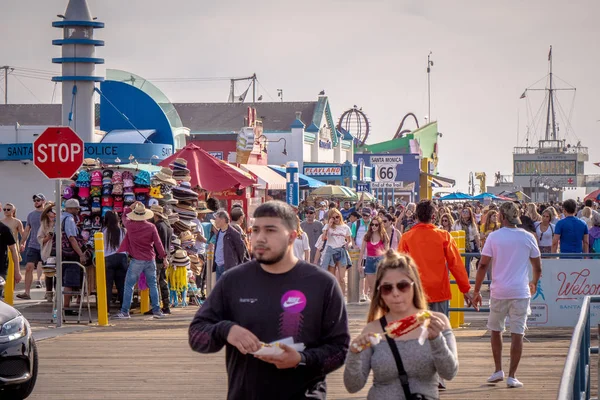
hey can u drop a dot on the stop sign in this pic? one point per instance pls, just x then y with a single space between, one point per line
58 152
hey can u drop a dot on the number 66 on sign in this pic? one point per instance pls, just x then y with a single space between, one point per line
386 172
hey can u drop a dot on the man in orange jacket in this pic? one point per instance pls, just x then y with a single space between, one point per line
435 253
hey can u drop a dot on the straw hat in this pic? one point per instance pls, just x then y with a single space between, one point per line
165 175
140 213
90 163
185 236
158 210
203 208
180 259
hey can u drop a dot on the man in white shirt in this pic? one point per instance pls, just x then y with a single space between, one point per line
510 250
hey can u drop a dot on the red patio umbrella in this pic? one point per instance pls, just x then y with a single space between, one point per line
208 172
595 195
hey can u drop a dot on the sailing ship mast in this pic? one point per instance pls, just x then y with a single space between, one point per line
550 128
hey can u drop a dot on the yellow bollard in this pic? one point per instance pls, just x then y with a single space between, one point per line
101 296
9 286
144 301
457 301
210 282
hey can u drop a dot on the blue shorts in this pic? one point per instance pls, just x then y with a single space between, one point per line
334 256
371 265
33 256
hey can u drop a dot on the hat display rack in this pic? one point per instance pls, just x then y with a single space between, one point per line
180 203
103 187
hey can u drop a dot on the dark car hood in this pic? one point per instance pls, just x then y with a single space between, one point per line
7 312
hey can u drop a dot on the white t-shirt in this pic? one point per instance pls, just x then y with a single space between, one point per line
336 237
546 237
510 250
361 231
301 245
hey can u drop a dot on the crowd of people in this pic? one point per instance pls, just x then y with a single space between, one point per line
405 255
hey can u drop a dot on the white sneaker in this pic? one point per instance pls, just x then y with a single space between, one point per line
513 383
496 377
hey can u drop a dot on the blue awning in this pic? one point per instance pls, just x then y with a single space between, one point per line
128 136
305 181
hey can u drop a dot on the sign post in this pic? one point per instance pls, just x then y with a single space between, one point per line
292 187
58 154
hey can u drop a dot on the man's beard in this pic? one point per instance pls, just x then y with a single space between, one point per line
273 260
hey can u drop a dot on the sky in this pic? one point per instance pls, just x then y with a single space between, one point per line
372 54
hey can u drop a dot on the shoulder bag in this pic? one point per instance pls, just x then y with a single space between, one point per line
401 371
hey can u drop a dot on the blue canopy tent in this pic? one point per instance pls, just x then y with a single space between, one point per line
456 196
486 196
305 181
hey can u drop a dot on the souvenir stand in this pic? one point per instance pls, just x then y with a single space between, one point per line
100 188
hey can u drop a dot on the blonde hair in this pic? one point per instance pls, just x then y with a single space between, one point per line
299 230
14 209
586 212
335 212
393 260
532 212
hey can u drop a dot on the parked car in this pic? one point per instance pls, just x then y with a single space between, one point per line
18 354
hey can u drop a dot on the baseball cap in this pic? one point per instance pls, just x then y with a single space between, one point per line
39 196
366 211
511 212
310 209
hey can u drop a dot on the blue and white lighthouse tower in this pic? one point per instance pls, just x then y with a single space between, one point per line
78 68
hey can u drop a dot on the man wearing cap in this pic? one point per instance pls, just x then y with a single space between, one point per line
230 250
510 250
33 256
8 243
323 210
71 251
164 233
313 229
142 243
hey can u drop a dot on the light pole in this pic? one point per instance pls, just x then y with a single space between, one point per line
429 65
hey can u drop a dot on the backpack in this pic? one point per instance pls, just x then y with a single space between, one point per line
596 246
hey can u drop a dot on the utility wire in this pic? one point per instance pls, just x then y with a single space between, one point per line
266 91
25 86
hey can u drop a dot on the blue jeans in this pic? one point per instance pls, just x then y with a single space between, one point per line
136 268
220 271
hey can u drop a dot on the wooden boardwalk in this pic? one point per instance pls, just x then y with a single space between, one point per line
146 359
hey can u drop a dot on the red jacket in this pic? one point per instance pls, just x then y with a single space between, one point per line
435 253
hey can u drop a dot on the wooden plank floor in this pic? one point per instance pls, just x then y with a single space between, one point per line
145 359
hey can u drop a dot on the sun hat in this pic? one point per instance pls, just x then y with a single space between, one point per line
142 178
72 203
180 259
185 236
158 210
90 163
203 208
140 213
165 175
179 164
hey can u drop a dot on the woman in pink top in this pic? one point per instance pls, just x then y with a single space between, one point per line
375 243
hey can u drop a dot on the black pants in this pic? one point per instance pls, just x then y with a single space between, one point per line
116 269
163 286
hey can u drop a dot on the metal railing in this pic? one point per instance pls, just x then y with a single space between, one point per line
575 380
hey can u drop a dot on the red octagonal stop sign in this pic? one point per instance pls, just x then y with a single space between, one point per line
58 152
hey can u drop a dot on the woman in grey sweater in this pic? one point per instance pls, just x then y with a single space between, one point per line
398 294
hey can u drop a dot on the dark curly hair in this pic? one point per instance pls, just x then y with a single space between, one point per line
425 211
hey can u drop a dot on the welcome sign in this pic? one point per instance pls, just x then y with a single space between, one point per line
561 289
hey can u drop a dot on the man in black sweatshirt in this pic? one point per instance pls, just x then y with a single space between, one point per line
273 297
164 232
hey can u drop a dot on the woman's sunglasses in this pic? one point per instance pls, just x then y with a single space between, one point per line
375 225
7 209
402 286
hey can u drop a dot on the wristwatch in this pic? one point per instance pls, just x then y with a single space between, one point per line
302 360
